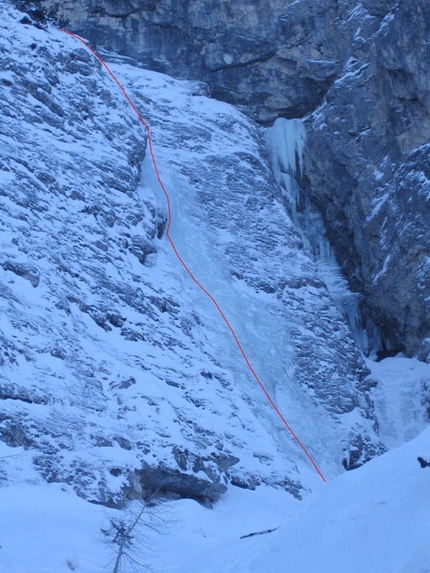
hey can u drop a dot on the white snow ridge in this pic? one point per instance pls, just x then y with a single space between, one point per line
122 389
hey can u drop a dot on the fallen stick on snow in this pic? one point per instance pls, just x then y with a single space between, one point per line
259 533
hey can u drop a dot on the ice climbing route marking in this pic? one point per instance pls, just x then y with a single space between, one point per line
201 287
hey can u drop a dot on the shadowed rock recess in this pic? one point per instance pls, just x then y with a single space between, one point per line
359 73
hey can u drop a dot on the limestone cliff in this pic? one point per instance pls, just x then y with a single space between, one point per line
117 375
358 70
367 169
266 56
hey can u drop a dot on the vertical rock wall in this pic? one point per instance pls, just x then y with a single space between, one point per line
265 56
367 169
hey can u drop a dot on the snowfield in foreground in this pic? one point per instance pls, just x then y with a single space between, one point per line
372 520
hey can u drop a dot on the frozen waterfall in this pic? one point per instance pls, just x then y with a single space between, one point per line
286 141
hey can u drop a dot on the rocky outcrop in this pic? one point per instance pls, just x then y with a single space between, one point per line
202 478
269 57
367 170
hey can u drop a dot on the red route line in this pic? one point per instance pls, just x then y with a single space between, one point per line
201 287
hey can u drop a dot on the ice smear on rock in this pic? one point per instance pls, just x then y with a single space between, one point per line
286 141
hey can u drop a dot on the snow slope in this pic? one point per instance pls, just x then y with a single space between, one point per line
116 372
374 519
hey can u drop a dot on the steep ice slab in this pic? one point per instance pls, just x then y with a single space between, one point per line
257 319
240 243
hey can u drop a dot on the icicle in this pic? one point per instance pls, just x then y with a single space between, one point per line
286 141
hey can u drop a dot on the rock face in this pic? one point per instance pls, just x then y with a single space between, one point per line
268 57
116 373
360 71
367 169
